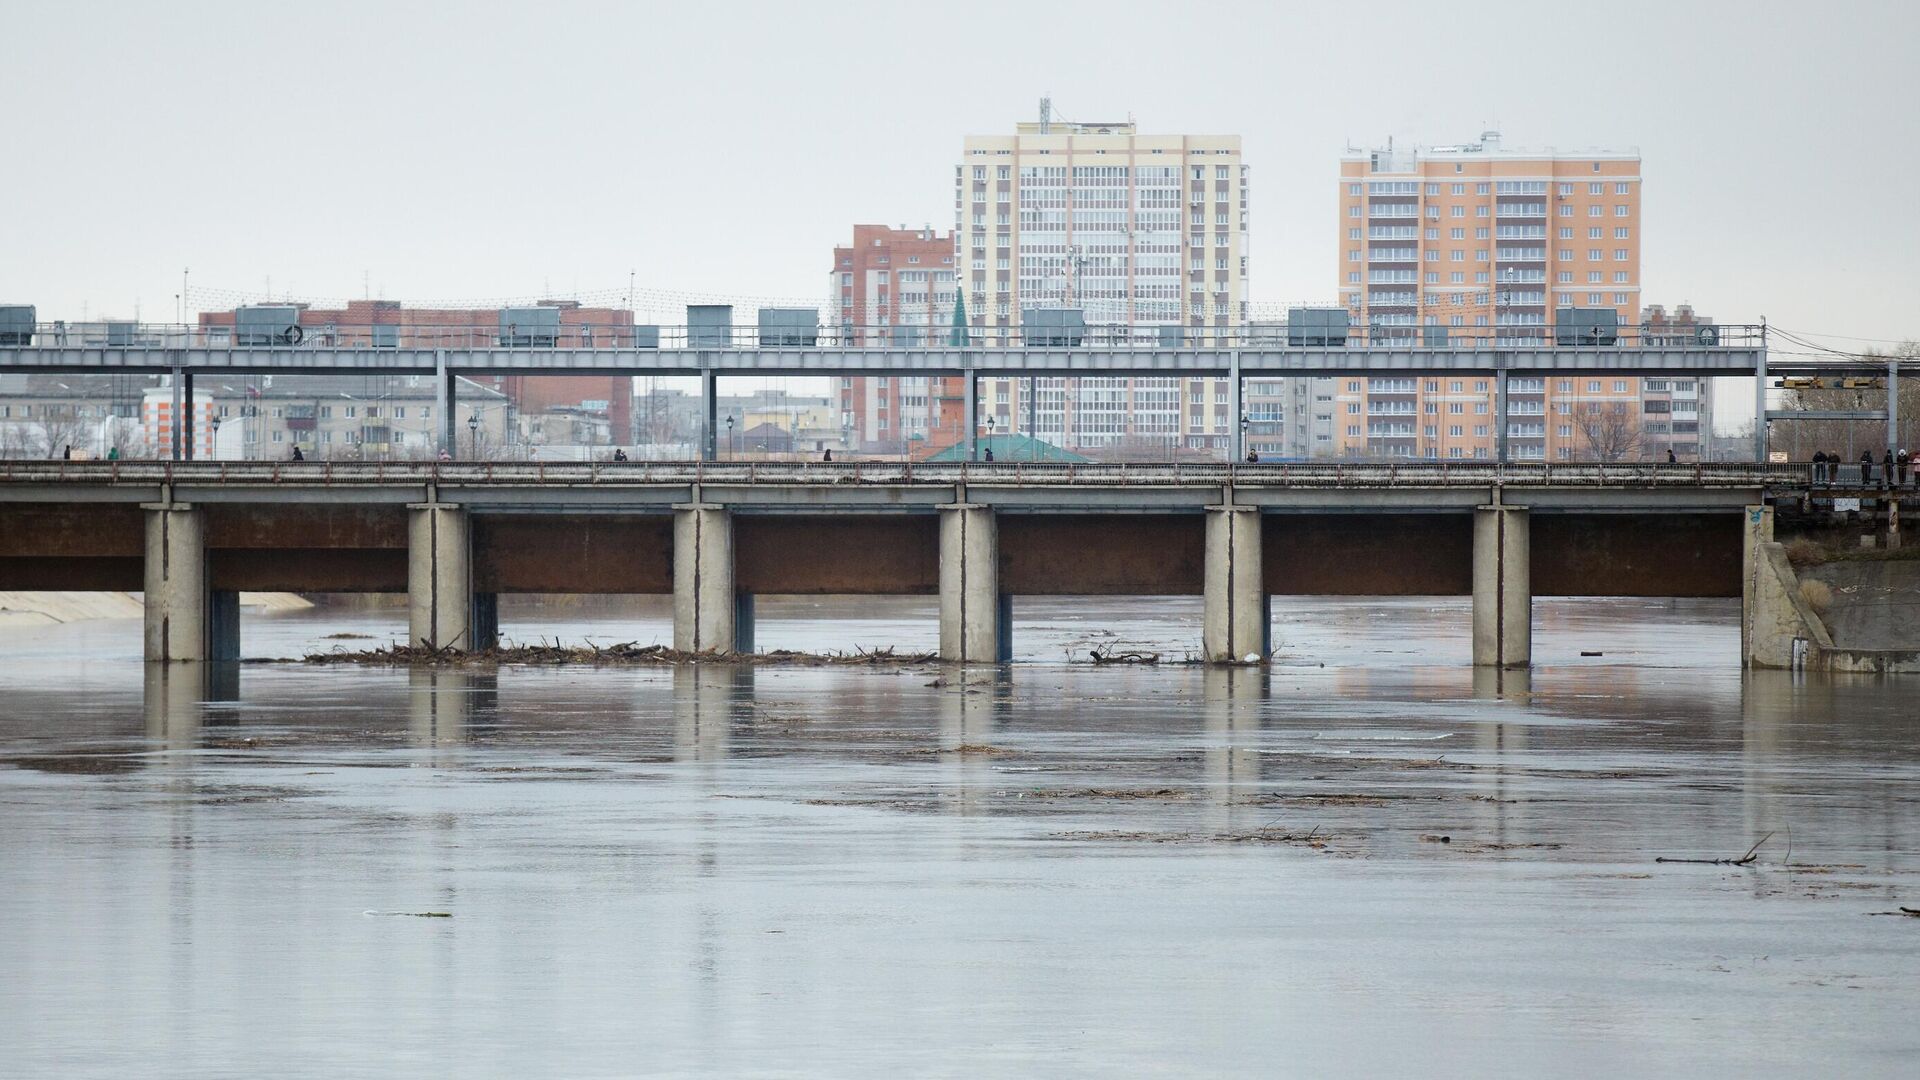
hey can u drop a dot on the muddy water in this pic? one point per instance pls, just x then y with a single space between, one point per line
1364 859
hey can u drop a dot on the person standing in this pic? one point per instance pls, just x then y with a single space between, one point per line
1902 460
1819 467
1866 467
1886 468
1670 458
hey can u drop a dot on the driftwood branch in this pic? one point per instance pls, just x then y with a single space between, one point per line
1744 860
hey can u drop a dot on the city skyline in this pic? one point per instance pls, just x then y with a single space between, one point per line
621 171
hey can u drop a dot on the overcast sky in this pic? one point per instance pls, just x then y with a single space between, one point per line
463 151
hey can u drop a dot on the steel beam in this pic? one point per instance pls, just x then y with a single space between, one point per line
892 360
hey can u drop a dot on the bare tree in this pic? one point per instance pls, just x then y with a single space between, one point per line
1610 431
1847 438
62 426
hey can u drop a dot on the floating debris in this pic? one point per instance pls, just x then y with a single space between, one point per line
629 652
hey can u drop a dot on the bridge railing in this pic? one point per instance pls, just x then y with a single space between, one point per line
487 333
1048 474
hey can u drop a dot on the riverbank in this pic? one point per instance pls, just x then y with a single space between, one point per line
30 609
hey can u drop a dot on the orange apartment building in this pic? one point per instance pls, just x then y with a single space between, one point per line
1483 240
896 286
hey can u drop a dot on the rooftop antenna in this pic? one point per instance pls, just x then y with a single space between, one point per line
1046 114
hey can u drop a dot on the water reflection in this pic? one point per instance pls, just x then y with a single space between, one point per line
708 702
444 706
778 864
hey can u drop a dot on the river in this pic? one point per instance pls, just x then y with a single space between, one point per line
1364 859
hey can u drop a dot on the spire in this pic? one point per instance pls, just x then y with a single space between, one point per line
959 335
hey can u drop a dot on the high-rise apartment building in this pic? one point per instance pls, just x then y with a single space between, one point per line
1146 234
1489 237
1486 242
896 286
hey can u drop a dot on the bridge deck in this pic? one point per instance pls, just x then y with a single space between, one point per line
885 360
897 486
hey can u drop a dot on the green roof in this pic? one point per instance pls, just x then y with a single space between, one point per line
1010 448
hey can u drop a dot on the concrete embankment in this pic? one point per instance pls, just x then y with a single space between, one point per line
1824 611
26 609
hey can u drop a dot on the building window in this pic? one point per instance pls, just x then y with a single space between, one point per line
1619 254
1621 232
1620 277
1456 234
1457 211
1596 210
1622 210
1619 298
1354 210
1566 233
1353 234
1480 211
1620 187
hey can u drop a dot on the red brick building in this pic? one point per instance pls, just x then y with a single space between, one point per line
896 287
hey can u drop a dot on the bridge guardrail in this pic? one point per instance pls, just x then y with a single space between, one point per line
485 332
1039 474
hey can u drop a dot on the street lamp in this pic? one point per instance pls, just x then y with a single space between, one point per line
473 434
729 437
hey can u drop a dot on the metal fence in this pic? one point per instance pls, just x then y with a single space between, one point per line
1039 474
488 334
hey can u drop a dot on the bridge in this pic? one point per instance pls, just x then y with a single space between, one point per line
453 536
1233 354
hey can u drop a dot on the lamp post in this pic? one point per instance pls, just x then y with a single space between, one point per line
473 434
729 437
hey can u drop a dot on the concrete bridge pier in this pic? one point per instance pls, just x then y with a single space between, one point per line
186 619
975 617
1236 623
440 599
705 607
1756 531
1502 587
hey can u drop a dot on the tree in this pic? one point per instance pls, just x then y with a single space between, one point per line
1799 439
1610 431
62 426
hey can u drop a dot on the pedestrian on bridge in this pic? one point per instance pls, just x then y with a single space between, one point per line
1819 467
1886 469
1253 457
1866 467
827 454
297 455
1671 460
1902 460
